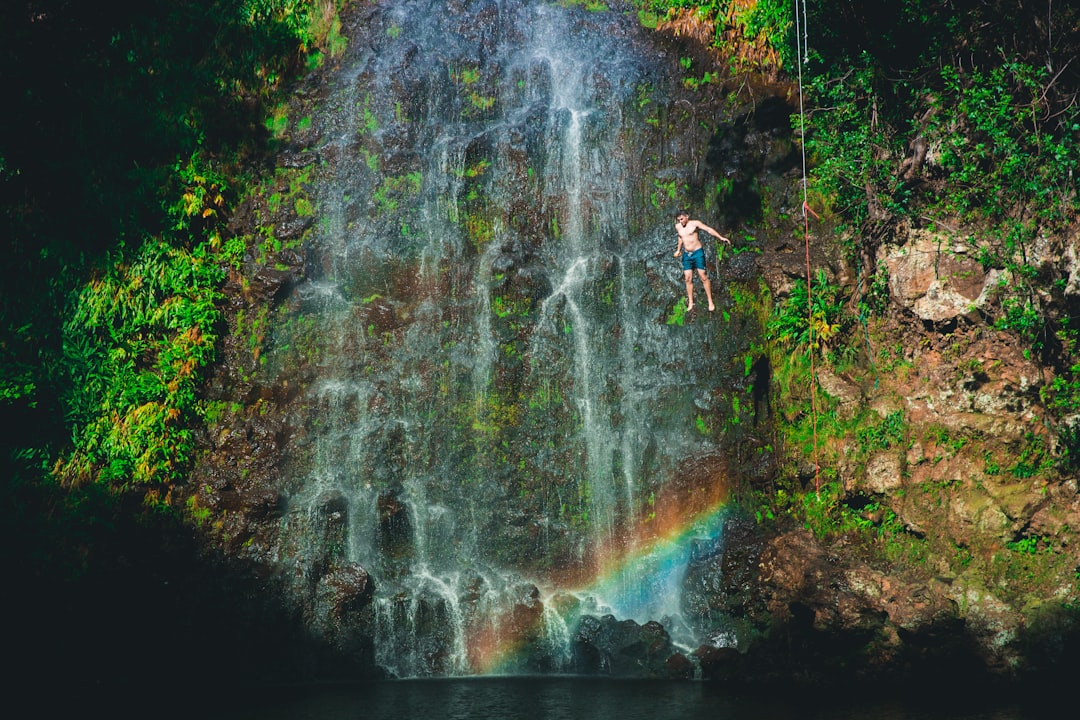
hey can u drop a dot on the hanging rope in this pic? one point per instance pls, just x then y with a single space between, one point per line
801 36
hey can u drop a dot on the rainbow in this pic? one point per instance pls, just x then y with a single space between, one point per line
636 578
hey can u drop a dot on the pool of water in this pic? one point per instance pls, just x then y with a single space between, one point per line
591 699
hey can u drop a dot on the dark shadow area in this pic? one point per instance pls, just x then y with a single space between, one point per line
117 608
755 145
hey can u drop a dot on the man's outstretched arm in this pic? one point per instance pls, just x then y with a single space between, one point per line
706 228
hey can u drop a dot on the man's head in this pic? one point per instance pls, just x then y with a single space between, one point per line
682 216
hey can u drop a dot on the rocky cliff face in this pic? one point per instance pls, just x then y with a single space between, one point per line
961 561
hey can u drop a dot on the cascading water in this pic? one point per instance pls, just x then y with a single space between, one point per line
501 418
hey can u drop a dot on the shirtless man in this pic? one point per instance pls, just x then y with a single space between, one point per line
694 257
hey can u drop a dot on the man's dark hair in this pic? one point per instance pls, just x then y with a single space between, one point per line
680 213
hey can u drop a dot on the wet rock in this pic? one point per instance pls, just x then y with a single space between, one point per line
297 158
742 267
680 667
720 592
395 525
823 617
344 590
606 646
723 665
327 528
293 228
419 634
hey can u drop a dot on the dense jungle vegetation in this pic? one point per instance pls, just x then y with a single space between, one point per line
133 129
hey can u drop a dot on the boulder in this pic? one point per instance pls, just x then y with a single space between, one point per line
623 648
935 277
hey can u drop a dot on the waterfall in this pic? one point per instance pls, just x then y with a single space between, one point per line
499 410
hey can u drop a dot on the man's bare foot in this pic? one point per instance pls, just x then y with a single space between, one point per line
711 307
689 307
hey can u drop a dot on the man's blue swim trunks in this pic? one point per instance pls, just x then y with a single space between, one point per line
694 260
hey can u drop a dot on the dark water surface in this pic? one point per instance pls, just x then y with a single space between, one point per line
591 699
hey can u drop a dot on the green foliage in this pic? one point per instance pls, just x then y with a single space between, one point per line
996 148
1002 155
771 22
889 433
665 193
479 228
1029 564
876 298
138 334
1032 457
766 22
847 145
589 5
393 190
830 513
709 8
677 316
810 316
18 380
693 82
495 415
1010 170
135 343
510 307
314 24
993 103
1028 545
201 193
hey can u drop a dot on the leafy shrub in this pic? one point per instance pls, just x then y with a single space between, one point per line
766 22
811 316
852 153
1001 157
135 342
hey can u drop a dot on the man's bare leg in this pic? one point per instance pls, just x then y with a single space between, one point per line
708 288
689 290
